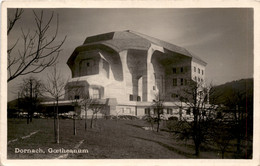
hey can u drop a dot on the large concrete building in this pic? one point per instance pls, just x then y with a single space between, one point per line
128 70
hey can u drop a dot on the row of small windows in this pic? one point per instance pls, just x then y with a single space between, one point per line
199 70
148 111
126 111
131 98
198 79
181 81
177 70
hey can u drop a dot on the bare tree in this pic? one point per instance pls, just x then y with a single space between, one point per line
54 87
96 106
74 97
221 136
194 97
158 107
85 103
29 91
79 99
40 48
12 21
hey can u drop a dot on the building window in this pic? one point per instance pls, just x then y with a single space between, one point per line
175 95
174 70
138 98
169 111
181 69
131 97
174 82
96 94
147 111
199 70
76 97
153 87
194 69
128 110
202 72
195 78
201 80
181 81
198 79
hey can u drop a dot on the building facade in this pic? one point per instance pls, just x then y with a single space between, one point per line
130 70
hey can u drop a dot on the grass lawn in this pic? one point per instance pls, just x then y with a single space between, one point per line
110 139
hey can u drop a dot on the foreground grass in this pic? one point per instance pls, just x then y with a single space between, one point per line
109 139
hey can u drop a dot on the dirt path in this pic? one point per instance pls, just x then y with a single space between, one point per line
24 137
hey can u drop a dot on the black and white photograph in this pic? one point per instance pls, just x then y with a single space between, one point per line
129 83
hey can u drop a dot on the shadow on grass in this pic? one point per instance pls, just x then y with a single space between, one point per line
188 155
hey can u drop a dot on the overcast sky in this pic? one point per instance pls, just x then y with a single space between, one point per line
221 37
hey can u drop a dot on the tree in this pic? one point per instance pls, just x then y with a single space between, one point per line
238 110
221 136
237 97
158 110
40 48
194 97
54 87
95 106
85 103
29 92
79 99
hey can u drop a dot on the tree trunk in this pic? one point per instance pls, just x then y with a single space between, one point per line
54 124
74 124
86 119
58 125
222 152
238 144
91 122
197 151
96 120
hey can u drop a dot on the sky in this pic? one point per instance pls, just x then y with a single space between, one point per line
222 37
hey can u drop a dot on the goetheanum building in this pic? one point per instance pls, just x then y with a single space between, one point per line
128 70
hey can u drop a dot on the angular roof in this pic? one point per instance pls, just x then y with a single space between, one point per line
123 40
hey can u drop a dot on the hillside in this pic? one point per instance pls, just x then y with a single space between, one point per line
239 92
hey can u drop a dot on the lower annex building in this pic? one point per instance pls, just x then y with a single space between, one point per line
126 70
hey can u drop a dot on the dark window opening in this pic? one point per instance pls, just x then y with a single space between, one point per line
175 82
181 81
181 69
169 111
138 98
76 97
175 95
147 111
131 97
174 70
